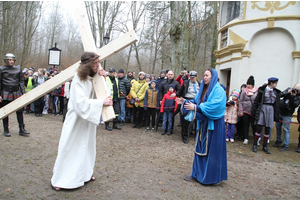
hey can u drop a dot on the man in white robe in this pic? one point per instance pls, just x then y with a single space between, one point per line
77 146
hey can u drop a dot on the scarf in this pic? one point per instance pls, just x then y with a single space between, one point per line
250 92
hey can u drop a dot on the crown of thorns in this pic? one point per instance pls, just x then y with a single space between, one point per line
89 59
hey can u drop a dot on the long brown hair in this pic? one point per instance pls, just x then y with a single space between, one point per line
205 88
87 60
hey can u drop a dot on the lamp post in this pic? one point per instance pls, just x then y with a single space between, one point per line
105 41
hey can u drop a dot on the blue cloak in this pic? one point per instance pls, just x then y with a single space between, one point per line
210 161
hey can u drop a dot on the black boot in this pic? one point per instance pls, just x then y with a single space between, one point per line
265 149
6 132
115 125
163 132
107 126
22 131
254 148
169 132
298 149
37 114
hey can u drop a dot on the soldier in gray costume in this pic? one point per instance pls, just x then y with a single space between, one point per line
11 88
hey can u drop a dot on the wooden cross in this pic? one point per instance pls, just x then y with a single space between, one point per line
67 74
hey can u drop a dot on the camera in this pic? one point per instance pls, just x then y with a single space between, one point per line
294 90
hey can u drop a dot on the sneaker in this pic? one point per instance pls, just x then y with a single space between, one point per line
258 142
227 139
102 123
284 148
148 128
153 129
268 141
45 112
245 141
232 140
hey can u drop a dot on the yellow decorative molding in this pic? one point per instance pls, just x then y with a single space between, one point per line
296 54
235 38
246 53
271 22
271 5
236 58
245 9
261 19
229 50
228 60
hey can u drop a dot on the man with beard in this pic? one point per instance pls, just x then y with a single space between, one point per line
12 87
130 75
114 94
75 161
164 87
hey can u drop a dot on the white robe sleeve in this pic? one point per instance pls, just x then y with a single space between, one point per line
83 102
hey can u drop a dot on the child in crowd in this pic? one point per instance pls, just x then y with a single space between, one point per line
55 94
39 103
148 79
129 107
168 107
151 102
231 115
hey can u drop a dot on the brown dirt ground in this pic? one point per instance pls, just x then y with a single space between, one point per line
134 164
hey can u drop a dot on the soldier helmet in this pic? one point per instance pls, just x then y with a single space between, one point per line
9 56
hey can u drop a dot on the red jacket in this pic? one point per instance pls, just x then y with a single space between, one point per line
168 103
180 80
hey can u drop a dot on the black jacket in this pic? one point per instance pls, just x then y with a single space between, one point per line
259 100
124 86
164 87
184 88
288 103
159 80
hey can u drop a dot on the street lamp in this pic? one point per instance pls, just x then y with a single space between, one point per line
105 41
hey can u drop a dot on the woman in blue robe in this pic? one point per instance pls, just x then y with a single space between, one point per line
208 108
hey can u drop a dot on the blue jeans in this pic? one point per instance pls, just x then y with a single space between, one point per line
55 104
122 106
286 129
168 119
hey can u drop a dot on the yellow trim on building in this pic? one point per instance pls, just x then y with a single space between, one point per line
229 60
245 8
229 50
235 38
296 54
246 53
261 19
271 22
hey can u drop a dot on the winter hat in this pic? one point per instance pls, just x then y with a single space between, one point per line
148 76
121 71
163 71
236 93
141 73
250 81
172 86
153 81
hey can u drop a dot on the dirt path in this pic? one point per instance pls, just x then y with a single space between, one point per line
134 164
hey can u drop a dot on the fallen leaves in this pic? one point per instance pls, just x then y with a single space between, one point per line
163 190
7 190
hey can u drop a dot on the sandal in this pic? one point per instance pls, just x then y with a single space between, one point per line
92 179
56 188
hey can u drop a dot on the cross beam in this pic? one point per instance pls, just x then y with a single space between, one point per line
67 74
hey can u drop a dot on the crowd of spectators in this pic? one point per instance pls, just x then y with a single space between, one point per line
146 101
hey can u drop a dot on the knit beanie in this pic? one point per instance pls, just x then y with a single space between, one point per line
250 81
172 86
236 93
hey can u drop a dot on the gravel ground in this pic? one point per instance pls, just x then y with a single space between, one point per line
134 164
